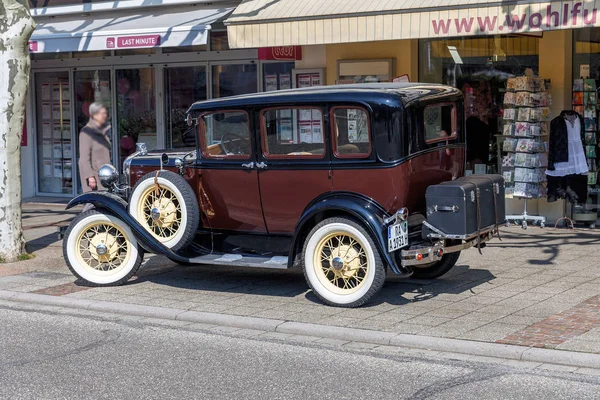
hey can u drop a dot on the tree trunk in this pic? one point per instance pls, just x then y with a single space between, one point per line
16 27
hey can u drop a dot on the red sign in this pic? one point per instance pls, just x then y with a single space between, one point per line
281 53
33 46
133 41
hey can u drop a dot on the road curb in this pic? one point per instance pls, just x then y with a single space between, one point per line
495 350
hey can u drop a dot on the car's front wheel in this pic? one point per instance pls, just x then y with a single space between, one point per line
342 264
101 250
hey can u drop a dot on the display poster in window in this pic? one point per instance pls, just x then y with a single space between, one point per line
47 168
58 169
67 150
57 149
285 130
285 81
315 80
56 132
46 91
66 131
317 132
46 130
306 132
56 92
65 91
67 169
270 82
305 115
352 131
47 148
46 111
66 110
56 111
303 80
316 115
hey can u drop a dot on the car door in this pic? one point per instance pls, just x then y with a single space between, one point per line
294 163
228 193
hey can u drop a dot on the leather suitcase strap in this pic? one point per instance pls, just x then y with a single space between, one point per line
496 192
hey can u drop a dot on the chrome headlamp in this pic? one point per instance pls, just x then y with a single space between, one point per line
108 176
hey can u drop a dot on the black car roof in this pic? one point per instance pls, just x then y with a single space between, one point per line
370 93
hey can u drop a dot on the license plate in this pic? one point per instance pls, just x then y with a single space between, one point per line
397 236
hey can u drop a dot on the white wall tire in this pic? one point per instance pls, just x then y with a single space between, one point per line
119 259
342 264
176 225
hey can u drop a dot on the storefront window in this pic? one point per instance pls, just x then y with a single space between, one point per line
479 67
277 76
54 145
585 84
90 87
234 79
184 86
136 105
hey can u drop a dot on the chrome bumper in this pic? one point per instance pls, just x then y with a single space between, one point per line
427 255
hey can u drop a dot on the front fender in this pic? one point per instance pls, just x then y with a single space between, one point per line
364 209
115 205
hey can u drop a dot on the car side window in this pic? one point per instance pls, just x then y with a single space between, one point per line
292 132
350 132
225 134
440 122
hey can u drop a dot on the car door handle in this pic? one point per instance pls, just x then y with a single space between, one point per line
249 165
261 165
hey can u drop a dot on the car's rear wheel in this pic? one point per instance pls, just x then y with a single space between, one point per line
436 269
166 206
342 264
101 250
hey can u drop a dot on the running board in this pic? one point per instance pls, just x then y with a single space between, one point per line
238 260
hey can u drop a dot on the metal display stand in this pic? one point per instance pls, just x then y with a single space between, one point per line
523 218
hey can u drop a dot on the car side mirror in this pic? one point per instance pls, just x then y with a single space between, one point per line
164 159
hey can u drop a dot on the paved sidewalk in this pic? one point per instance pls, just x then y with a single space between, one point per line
539 287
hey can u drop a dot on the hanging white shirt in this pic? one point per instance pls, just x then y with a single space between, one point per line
577 163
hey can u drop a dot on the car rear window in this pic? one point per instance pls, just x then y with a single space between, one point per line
351 132
440 122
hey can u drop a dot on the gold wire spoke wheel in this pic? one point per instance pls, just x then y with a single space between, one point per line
341 262
160 212
103 247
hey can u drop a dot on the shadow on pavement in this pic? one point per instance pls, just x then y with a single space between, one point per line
549 245
291 283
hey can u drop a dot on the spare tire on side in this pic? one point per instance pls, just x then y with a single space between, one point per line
167 207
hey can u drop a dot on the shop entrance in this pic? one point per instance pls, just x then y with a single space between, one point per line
54 134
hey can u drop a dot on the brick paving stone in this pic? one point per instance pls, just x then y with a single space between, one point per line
61 290
558 328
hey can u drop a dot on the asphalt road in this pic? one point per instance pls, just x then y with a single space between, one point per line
49 356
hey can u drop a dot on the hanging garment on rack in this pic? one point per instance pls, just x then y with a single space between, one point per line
566 155
573 188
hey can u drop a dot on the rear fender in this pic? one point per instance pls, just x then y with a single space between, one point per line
115 205
368 212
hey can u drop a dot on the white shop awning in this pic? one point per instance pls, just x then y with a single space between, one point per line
263 23
125 30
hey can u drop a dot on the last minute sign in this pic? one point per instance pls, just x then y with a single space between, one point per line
123 42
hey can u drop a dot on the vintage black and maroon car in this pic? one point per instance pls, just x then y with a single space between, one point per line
329 179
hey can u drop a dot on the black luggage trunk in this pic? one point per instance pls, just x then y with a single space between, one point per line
463 207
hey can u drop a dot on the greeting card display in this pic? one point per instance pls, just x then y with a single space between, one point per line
585 102
526 128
